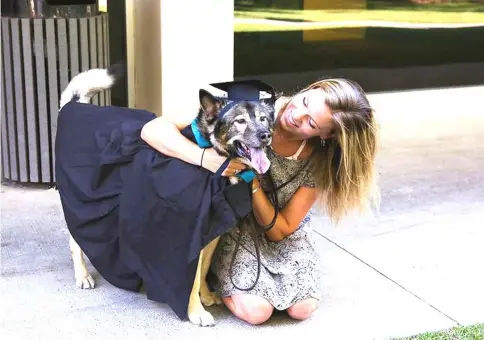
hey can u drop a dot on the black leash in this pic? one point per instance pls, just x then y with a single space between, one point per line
252 232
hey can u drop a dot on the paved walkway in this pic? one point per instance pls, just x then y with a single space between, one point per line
414 267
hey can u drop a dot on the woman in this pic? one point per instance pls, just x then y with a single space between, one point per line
325 136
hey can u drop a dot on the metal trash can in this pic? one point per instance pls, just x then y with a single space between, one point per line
44 45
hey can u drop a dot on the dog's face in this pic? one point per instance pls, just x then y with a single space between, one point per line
243 131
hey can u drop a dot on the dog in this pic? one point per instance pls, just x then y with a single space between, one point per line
242 132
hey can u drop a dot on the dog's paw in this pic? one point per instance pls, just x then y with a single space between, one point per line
201 317
85 281
209 298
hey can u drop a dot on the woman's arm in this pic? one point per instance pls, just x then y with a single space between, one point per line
289 217
164 135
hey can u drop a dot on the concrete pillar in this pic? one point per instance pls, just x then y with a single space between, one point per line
143 49
176 47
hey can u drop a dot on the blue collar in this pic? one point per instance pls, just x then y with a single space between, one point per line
201 141
246 175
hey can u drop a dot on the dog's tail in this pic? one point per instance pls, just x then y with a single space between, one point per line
88 83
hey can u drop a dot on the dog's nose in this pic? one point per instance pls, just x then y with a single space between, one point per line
264 136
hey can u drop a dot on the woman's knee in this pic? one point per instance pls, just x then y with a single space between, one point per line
303 309
250 308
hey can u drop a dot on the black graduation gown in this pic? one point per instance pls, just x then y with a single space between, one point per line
140 217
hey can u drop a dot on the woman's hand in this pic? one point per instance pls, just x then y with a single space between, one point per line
212 161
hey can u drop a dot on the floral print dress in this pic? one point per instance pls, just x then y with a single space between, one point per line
290 269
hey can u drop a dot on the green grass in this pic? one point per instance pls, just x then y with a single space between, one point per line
363 14
474 332
454 14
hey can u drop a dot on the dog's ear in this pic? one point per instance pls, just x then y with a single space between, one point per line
209 104
269 102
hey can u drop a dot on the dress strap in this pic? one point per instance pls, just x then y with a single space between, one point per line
298 152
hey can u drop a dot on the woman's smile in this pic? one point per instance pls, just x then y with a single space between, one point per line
290 119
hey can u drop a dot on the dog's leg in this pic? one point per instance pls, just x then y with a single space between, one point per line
83 279
196 312
207 297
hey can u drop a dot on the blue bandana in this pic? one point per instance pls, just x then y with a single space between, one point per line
246 175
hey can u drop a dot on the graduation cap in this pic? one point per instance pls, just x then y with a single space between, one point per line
245 90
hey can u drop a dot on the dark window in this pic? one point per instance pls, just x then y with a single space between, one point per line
384 45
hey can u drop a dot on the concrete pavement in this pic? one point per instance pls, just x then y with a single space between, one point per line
415 266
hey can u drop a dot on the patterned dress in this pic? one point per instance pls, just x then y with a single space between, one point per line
290 269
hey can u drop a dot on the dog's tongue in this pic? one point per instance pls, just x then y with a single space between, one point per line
259 160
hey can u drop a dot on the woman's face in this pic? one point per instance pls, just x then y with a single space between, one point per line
307 116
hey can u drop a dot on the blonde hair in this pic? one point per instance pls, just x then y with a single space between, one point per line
344 166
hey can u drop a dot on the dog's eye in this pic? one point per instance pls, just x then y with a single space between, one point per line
240 121
262 119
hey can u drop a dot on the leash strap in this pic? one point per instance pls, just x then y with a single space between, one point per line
222 167
247 175
262 229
